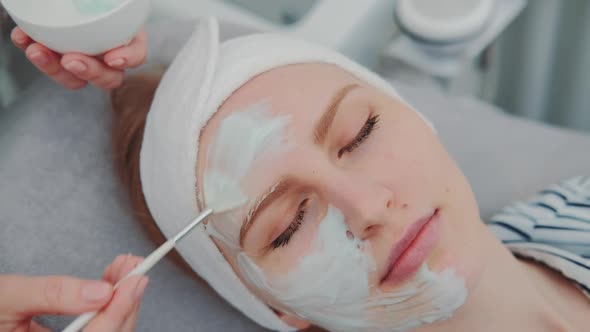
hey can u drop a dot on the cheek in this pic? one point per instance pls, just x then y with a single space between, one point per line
283 260
414 153
461 249
401 148
278 265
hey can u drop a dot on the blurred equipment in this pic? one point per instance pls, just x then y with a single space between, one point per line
445 39
443 27
359 29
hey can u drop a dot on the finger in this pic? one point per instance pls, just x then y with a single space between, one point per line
130 264
36 327
113 317
131 321
120 267
20 38
116 267
60 295
47 62
92 70
107 272
129 56
113 269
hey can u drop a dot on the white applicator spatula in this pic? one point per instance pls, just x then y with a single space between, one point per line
143 267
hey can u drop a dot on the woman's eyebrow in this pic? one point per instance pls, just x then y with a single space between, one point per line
278 190
325 123
264 201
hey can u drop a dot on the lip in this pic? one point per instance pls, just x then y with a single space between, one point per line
412 249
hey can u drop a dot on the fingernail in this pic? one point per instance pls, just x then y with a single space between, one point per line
20 40
140 288
96 291
76 66
39 58
116 63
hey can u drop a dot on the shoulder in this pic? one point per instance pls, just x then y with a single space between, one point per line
552 227
559 214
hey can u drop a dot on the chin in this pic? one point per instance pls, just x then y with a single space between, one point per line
463 250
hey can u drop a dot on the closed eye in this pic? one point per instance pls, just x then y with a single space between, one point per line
365 132
283 239
369 126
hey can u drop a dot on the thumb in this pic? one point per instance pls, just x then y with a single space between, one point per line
58 295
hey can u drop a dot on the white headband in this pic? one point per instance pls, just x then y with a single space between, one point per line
201 77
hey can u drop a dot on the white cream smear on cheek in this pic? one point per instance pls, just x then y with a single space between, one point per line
329 287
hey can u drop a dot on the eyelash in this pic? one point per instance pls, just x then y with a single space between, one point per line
370 125
285 237
364 133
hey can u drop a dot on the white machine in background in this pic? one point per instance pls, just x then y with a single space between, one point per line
367 31
358 28
445 38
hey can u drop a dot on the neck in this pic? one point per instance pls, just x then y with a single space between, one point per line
515 295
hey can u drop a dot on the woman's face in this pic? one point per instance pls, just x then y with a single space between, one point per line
350 148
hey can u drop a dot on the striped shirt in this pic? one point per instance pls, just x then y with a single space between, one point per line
553 228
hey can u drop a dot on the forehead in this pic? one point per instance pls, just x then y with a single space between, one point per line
290 89
301 90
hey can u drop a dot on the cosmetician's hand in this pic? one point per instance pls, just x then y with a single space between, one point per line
75 71
22 297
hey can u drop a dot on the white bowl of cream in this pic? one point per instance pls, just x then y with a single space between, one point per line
86 26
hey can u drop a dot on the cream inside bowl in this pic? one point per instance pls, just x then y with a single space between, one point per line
86 26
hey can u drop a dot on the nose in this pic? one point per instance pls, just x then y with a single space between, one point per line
367 205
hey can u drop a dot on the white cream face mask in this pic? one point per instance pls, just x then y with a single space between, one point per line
242 139
329 286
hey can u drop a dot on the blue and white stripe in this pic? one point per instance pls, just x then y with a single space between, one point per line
552 228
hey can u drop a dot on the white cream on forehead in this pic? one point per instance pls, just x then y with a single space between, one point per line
330 286
242 138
